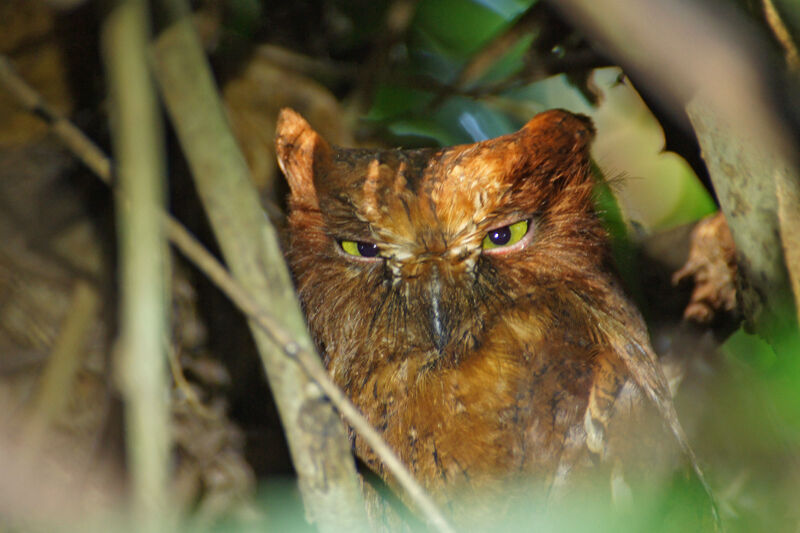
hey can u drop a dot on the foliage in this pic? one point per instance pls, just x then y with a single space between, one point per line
658 190
459 71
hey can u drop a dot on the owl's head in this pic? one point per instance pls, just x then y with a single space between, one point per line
422 252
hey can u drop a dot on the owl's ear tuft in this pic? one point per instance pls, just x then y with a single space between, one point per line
564 129
299 149
558 143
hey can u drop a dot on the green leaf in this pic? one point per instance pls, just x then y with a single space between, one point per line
473 120
655 189
749 349
622 248
508 9
422 128
509 64
458 120
391 101
462 27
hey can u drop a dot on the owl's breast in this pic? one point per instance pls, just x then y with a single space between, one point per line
509 410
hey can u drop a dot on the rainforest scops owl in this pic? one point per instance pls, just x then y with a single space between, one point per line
464 298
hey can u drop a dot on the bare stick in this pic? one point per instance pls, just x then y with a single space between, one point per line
317 441
141 369
782 34
62 365
70 135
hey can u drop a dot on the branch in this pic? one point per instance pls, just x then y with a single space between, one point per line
61 367
687 51
746 180
309 361
782 34
141 359
317 441
211 267
70 135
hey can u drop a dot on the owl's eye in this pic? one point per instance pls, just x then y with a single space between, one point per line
505 236
360 248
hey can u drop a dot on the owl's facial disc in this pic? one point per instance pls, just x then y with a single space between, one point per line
431 268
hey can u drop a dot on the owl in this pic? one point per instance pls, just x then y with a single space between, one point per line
465 300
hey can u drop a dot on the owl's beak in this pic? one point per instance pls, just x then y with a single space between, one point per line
437 315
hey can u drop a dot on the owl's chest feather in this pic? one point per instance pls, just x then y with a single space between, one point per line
510 409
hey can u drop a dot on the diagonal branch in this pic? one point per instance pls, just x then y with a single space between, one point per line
309 361
317 442
216 272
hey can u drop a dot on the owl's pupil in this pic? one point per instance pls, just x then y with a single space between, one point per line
367 249
500 235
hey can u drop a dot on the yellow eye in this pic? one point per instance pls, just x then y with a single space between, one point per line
360 248
505 236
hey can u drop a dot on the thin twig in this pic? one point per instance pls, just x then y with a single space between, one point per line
782 34
185 388
70 135
313 67
192 249
62 365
